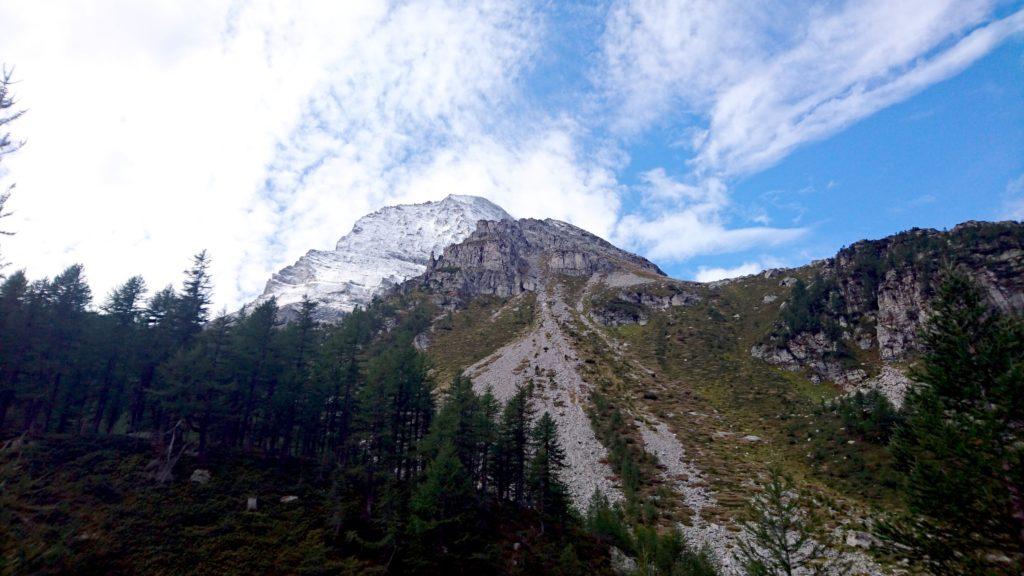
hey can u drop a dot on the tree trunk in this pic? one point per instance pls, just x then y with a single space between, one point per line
101 401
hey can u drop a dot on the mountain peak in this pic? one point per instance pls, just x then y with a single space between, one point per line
383 249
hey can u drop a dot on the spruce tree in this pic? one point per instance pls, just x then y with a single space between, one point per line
443 510
781 535
547 490
961 447
511 451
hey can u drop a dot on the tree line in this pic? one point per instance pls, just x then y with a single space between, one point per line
355 397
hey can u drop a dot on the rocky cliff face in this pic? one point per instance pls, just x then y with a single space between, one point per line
508 257
383 249
875 295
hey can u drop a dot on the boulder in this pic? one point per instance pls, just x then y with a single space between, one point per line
200 476
621 563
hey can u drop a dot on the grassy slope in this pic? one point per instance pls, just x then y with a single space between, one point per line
706 385
465 336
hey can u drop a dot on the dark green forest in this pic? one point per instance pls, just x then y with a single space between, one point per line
409 485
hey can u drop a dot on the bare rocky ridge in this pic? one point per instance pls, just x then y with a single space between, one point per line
505 258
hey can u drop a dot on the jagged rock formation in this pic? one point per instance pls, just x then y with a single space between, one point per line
505 258
632 306
875 295
383 249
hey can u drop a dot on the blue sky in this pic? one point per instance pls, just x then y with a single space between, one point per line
716 137
941 157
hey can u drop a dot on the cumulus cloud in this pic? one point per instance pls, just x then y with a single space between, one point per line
691 221
705 274
759 80
262 129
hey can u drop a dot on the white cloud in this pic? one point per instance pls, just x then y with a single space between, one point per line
771 77
690 221
705 274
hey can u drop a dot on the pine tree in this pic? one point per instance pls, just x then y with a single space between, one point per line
192 306
961 447
511 449
7 146
780 536
442 510
547 490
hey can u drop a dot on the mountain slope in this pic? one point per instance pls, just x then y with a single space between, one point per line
660 373
383 249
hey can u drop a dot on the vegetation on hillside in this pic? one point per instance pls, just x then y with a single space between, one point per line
960 448
109 410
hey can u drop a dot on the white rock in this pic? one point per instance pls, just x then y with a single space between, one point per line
200 476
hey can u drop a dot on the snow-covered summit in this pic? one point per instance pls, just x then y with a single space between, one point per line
383 249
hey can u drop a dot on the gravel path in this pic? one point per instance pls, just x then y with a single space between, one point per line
545 356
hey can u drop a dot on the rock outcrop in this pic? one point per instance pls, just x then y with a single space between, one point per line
632 306
508 257
876 295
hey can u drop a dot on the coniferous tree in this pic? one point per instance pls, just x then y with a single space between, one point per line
300 341
121 330
198 381
442 511
961 446
69 295
511 451
158 345
7 146
781 534
14 337
192 306
256 356
547 490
